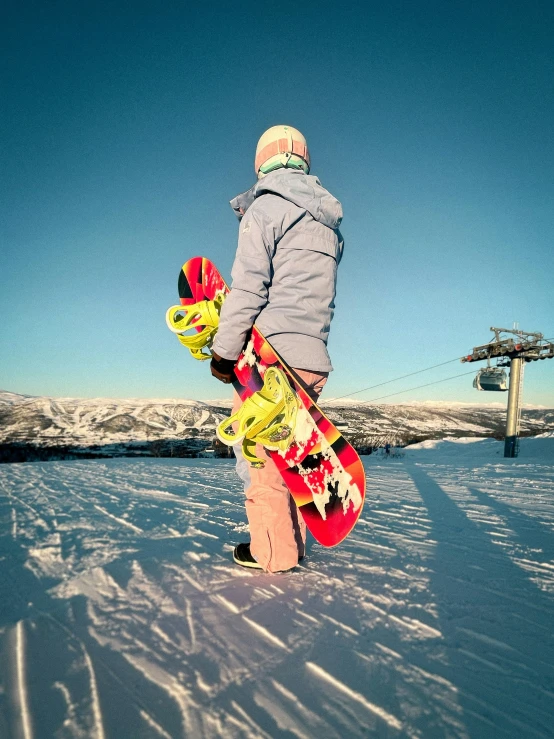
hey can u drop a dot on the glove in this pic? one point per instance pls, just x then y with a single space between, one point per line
223 369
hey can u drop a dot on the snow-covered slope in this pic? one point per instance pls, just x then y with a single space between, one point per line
536 449
104 420
73 421
122 615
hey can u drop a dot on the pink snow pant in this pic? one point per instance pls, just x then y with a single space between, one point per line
277 530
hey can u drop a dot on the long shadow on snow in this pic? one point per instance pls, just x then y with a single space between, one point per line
21 591
529 531
496 625
55 634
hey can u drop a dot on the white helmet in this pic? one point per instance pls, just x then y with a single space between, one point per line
281 146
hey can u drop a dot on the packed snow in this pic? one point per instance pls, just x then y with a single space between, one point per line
122 614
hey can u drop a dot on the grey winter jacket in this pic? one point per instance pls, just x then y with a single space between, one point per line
285 269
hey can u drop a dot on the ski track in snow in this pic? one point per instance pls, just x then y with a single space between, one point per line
121 613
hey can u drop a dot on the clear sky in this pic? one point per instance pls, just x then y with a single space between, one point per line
127 127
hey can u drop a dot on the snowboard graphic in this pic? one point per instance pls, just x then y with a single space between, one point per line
321 469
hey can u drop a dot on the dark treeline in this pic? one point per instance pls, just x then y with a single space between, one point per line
28 452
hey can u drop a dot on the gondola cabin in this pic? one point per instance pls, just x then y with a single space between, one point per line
491 378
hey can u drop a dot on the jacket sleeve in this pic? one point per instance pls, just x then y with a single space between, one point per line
251 275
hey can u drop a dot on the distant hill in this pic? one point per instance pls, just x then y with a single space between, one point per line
42 427
374 425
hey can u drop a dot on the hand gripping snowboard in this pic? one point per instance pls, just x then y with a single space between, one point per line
321 469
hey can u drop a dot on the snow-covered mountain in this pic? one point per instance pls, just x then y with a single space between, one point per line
106 424
373 425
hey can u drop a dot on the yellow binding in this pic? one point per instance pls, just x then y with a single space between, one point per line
183 318
267 417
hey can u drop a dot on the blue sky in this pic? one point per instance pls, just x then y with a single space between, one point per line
127 128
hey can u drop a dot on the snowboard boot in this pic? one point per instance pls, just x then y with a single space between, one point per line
242 557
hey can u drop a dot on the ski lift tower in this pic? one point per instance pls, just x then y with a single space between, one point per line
513 348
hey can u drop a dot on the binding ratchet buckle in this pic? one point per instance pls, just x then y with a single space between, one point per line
268 417
201 320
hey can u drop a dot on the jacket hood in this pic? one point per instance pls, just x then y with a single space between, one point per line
305 191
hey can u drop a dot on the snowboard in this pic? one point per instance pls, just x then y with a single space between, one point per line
322 471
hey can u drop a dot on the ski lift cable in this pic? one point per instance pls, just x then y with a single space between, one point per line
403 377
396 379
436 382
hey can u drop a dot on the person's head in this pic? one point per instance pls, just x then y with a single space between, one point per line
281 146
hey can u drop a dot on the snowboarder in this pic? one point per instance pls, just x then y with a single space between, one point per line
284 280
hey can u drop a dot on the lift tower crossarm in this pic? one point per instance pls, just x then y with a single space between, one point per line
529 346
